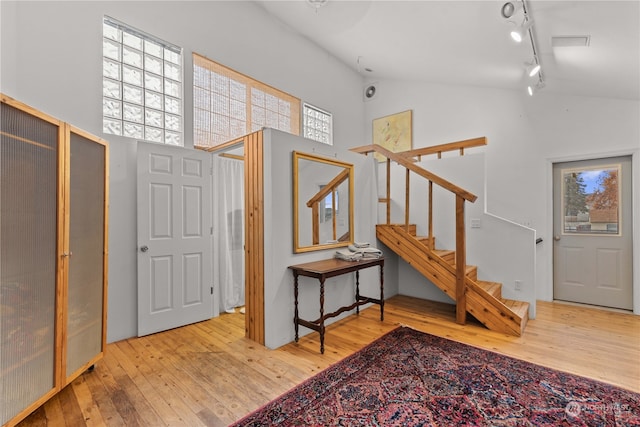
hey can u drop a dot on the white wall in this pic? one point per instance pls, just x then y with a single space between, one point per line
52 60
525 134
278 237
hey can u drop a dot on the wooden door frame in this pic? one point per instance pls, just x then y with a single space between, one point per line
253 156
546 293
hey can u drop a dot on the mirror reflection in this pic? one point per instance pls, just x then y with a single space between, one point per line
323 202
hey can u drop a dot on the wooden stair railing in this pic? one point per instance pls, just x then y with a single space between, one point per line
461 195
314 204
442 148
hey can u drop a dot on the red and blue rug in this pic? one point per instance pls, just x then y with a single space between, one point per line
409 378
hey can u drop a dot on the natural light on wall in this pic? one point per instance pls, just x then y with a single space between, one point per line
141 85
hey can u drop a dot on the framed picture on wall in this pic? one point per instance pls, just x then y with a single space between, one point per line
393 132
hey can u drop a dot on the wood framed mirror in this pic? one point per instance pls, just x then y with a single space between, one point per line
322 203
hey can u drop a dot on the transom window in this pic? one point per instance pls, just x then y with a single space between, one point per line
228 104
141 85
317 124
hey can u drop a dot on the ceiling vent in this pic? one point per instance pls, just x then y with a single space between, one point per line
570 41
369 92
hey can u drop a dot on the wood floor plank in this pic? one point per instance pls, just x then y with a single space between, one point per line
101 396
195 360
161 384
70 407
209 374
89 407
127 386
54 414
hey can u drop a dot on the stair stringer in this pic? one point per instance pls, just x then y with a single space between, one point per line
486 308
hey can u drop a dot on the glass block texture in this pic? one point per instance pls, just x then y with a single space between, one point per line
86 242
228 105
28 210
141 80
317 124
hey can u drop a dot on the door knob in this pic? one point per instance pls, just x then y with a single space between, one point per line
144 248
556 238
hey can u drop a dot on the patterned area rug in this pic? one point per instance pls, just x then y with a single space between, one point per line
409 378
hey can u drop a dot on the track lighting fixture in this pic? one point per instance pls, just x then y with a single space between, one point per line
533 68
509 9
317 4
518 34
534 87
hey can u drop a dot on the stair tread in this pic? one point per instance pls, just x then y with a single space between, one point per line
519 307
412 227
469 268
443 252
493 288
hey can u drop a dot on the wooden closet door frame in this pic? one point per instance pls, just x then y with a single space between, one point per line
58 331
64 188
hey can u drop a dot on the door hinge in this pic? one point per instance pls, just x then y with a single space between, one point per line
212 290
212 231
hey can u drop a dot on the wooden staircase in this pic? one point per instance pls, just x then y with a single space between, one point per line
446 269
483 299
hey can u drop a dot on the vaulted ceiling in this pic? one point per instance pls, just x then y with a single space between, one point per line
468 43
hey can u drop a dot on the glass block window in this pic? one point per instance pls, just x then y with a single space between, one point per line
317 124
228 105
141 85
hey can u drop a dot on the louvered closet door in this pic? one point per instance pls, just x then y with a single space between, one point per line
28 222
87 236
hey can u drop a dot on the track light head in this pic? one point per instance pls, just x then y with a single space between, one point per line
533 88
533 69
518 33
509 9
530 90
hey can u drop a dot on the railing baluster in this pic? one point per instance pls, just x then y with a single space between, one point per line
333 214
388 191
406 201
430 217
461 264
315 224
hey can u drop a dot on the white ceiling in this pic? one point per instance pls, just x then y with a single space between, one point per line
467 42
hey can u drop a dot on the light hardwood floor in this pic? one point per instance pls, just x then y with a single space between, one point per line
208 374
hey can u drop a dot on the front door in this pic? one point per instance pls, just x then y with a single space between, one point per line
592 252
174 237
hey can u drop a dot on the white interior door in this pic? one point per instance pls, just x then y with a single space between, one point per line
174 237
592 252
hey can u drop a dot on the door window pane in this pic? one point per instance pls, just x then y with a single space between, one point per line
591 200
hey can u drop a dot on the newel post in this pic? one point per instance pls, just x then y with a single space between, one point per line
461 263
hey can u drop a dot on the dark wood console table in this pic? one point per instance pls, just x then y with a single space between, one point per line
325 269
